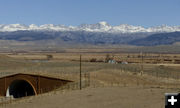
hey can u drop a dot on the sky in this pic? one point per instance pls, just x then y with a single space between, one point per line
145 13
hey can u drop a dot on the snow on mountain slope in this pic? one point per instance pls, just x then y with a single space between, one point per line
98 27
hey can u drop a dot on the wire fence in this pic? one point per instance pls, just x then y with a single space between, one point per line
100 74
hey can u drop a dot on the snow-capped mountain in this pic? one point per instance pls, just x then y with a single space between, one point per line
98 27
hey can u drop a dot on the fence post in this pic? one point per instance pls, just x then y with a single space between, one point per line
89 79
80 85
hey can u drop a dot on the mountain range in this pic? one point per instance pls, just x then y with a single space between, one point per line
98 27
93 34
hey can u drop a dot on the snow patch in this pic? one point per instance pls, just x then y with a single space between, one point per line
98 27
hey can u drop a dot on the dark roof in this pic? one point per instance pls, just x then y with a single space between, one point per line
33 75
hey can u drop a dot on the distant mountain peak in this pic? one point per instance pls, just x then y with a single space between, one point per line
104 23
102 26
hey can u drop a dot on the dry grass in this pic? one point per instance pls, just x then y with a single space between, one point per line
66 66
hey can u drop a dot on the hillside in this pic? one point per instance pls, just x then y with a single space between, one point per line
53 39
75 37
157 39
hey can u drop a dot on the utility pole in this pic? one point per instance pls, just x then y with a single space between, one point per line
80 85
142 61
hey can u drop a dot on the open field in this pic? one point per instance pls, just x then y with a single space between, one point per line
106 97
144 77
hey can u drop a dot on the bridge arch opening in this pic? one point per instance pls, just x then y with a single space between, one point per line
20 88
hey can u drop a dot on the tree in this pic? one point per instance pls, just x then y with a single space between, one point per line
49 57
108 57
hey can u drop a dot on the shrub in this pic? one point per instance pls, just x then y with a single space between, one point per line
49 57
93 60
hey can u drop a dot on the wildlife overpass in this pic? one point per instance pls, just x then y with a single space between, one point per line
21 85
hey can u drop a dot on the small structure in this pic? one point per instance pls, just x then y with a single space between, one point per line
21 85
124 62
112 62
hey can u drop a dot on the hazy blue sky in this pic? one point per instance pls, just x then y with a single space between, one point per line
75 12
